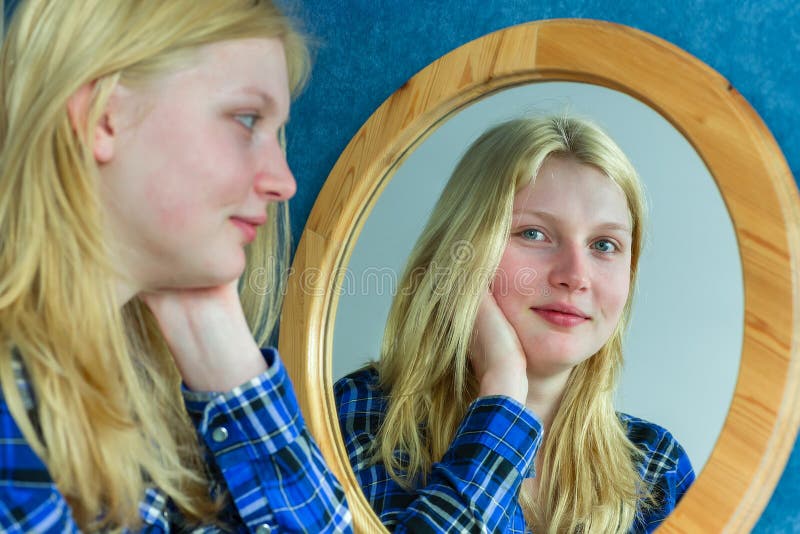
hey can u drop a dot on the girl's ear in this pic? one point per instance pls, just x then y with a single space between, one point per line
78 110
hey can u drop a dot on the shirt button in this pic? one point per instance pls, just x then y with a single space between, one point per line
220 434
263 529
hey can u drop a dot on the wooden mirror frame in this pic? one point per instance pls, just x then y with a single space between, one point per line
755 182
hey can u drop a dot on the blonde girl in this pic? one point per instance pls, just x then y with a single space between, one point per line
141 174
493 410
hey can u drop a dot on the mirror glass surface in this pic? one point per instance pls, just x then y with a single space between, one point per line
684 343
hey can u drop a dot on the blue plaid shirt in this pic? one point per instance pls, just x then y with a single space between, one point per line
474 488
257 445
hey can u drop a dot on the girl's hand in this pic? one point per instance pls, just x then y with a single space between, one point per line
208 335
496 354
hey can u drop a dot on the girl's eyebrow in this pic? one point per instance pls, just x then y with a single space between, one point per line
269 102
267 98
553 218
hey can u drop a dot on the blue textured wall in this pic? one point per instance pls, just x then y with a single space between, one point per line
367 48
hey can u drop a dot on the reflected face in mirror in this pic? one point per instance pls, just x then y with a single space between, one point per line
694 353
564 277
536 364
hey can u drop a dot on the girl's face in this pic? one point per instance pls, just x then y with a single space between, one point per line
565 274
195 160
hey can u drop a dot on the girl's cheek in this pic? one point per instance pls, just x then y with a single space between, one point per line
178 219
169 209
619 295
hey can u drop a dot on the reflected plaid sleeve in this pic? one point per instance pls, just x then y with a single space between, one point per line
474 487
273 470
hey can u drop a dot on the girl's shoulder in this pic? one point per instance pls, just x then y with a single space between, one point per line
361 384
28 496
662 454
663 465
642 430
360 401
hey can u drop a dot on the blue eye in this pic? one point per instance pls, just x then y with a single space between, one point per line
604 245
532 234
248 120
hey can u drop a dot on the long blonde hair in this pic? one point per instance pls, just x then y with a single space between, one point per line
109 420
589 482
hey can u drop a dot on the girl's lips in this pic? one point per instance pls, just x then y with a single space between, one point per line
560 318
247 228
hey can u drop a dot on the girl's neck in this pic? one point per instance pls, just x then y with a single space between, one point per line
544 396
544 400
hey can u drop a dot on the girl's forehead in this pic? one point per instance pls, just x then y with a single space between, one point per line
569 189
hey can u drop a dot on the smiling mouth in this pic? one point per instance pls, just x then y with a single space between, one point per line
561 317
248 228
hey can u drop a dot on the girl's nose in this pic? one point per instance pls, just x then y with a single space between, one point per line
571 269
274 180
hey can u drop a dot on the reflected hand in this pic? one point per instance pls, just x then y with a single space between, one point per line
208 335
496 353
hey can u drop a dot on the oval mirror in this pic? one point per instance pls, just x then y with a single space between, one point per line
753 181
689 307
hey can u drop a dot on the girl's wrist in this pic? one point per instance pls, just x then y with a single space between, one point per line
500 384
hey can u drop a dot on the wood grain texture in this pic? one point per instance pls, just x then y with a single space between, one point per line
754 180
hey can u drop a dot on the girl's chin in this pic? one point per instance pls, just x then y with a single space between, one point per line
224 278
553 364
225 269
219 276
